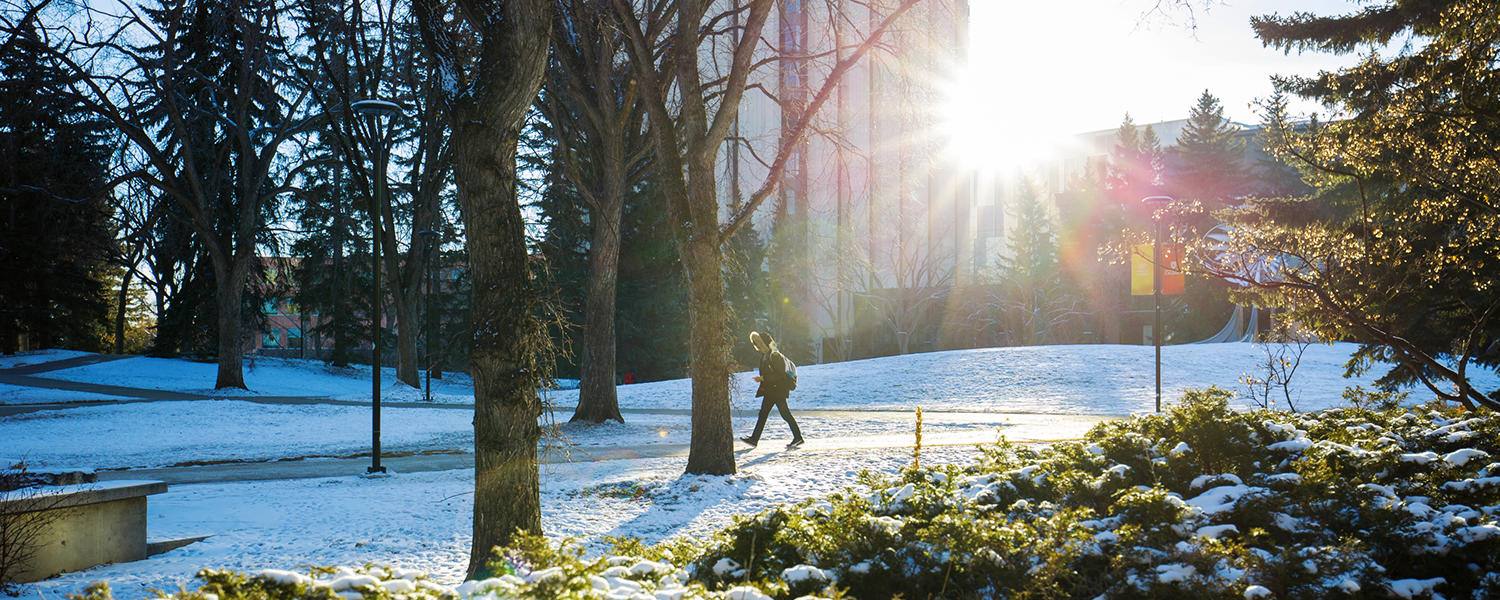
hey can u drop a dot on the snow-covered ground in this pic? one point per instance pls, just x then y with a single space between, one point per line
265 377
421 520
20 394
21 359
158 434
1099 379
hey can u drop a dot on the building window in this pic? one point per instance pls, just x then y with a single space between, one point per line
269 307
270 339
294 337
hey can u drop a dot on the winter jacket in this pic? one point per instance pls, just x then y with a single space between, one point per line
773 379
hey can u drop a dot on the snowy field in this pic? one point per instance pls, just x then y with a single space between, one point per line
421 520
1096 379
265 377
22 359
160 434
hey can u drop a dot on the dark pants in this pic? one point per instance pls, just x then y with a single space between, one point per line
766 403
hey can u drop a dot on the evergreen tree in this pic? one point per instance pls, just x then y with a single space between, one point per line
1135 162
1036 305
332 273
55 237
652 329
1398 247
1274 177
1089 222
565 246
1211 160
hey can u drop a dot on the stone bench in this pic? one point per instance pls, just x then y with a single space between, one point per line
81 526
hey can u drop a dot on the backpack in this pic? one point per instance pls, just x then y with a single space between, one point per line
791 371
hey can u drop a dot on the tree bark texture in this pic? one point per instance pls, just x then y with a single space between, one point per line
712 443
506 409
122 298
230 297
597 400
488 102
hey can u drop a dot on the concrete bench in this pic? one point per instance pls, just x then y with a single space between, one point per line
83 525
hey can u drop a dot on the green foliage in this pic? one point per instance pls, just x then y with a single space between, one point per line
56 239
1199 502
651 326
333 274
1398 245
1211 157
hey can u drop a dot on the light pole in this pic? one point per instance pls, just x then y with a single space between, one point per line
431 237
1156 204
377 110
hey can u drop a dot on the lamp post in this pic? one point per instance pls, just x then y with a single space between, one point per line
1156 204
377 111
431 237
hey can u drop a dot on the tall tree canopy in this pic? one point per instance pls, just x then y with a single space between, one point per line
55 237
1210 167
1398 247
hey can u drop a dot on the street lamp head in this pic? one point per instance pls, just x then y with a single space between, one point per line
376 108
1156 201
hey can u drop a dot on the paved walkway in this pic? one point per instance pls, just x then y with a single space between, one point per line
66 363
1017 427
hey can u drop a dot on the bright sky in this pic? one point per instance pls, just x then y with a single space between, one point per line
1042 71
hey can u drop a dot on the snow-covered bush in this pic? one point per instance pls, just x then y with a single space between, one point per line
1199 502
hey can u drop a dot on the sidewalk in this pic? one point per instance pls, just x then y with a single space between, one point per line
1017 428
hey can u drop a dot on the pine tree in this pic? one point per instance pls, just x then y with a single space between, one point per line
1274 177
1036 304
1398 247
1211 160
652 331
332 273
747 290
55 237
1135 163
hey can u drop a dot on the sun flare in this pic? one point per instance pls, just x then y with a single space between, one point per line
988 127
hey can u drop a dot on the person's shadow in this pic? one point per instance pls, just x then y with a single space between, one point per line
686 498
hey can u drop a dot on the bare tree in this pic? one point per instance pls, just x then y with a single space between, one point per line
909 296
692 105
1283 347
490 57
360 51
598 131
221 148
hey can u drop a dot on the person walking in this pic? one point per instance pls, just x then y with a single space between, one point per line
775 386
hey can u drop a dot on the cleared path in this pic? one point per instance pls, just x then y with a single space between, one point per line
1027 428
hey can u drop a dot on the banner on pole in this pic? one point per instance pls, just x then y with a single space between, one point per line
1172 279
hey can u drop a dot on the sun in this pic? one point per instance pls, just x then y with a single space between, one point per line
986 125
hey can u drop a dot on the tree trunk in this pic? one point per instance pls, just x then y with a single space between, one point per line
506 405
596 391
123 297
404 301
230 298
712 445
340 322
